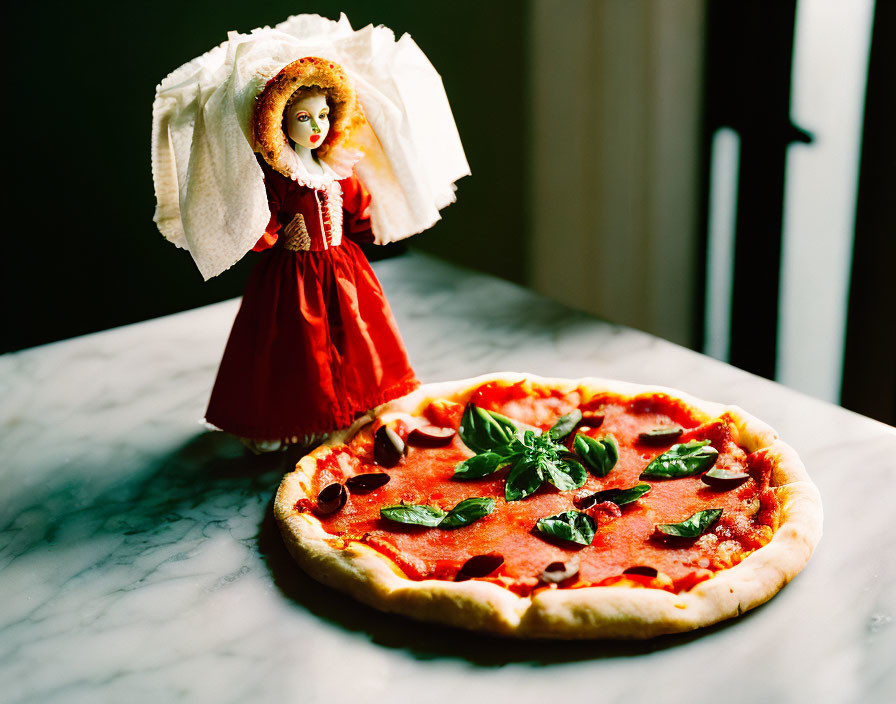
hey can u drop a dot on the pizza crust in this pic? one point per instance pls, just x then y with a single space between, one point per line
590 612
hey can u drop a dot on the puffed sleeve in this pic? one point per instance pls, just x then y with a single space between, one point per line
356 210
269 238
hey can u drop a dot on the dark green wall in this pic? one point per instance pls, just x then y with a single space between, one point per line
83 253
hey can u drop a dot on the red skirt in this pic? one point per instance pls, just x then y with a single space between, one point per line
314 345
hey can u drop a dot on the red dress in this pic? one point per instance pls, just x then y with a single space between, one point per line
314 344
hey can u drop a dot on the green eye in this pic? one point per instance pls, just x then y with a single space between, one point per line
323 116
304 117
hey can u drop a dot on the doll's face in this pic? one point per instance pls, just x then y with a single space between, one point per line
308 120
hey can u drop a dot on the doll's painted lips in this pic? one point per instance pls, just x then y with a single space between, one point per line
314 137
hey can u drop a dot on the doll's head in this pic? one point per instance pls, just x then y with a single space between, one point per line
306 119
310 86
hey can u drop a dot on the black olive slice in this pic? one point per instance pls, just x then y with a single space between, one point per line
388 447
724 478
331 498
559 571
664 435
587 501
642 570
365 483
479 566
431 436
584 502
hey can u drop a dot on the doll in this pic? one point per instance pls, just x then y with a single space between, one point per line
300 141
314 343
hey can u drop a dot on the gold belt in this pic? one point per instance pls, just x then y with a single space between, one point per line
296 237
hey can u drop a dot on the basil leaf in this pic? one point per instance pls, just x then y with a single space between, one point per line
628 496
609 442
480 465
565 424
483 430
620 497
523 480
682 460
576 470
467 511
600 456
564 474
413 514
528 439
692 527
569 525
534 456
560 479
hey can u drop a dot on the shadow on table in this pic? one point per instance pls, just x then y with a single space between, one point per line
212 469
426 641
162 496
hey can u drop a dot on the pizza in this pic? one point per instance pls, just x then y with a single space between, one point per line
553 508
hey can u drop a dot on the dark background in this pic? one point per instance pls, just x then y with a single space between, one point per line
85 253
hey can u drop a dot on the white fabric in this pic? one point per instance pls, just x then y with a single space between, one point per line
209 190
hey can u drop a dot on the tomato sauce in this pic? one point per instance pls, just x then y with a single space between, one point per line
424 476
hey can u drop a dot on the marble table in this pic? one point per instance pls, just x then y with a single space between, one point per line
139 560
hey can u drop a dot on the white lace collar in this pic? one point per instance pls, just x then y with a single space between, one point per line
336 166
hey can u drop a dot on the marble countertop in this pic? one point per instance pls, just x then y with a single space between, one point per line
139 560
